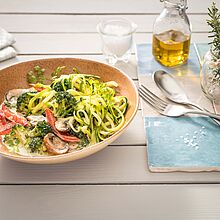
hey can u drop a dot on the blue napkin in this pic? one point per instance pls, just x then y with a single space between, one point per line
185 143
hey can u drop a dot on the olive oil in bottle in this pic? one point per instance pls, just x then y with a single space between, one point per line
171 48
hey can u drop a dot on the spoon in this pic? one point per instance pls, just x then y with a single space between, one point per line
172 89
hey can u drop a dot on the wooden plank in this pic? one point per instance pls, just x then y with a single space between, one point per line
129 68
77 43
110 202
134 134
113 165
95 6
30 23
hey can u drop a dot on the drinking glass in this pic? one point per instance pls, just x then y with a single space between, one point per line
117 39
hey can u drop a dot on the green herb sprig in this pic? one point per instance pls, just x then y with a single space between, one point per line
214 23
36 75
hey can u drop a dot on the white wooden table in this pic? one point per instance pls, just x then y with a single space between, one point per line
114 183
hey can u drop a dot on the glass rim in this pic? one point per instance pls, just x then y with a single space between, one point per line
182 3
133 26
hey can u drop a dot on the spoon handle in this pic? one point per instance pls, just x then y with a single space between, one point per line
212 115
217 121
196 106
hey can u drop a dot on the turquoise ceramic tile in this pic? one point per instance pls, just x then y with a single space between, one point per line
185 143
147 64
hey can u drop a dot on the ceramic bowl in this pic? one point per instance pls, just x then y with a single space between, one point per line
15 77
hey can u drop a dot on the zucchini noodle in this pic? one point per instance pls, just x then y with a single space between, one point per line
90 107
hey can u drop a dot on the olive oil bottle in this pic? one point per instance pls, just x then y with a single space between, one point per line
171 48
171 34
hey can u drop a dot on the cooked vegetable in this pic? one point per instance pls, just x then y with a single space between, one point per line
35 143
14 117
28 139
80 110
65 104
55 145
34 119
12 96
62 124
2 118
41 129
51 120
16 138
36 136
5 127
23 102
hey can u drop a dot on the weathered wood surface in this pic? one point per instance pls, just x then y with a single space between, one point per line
114 183
170 202
95 6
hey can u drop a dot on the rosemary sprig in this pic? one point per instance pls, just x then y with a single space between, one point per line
214 23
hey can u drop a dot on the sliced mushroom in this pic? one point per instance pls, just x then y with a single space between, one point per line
34 119
12 95
55 145
62 124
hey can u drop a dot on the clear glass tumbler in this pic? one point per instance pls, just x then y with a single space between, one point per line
117 39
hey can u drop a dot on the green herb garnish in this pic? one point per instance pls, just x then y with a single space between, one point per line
56 73
36 75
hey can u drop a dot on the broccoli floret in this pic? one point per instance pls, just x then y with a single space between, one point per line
35 143
84 141
36 136
23 101
41 129
66 104
61 85
31 139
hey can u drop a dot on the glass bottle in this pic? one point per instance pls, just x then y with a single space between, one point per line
171 34
210 75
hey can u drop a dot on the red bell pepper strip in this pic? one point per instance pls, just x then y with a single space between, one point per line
11 116
6 129
2 119
51 120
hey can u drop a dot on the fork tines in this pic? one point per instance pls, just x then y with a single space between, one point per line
154 101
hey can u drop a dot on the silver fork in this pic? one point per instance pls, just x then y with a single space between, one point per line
169 109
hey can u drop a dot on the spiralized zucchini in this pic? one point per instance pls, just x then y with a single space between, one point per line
89 106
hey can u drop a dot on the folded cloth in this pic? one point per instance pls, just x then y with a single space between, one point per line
6 40
7 53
